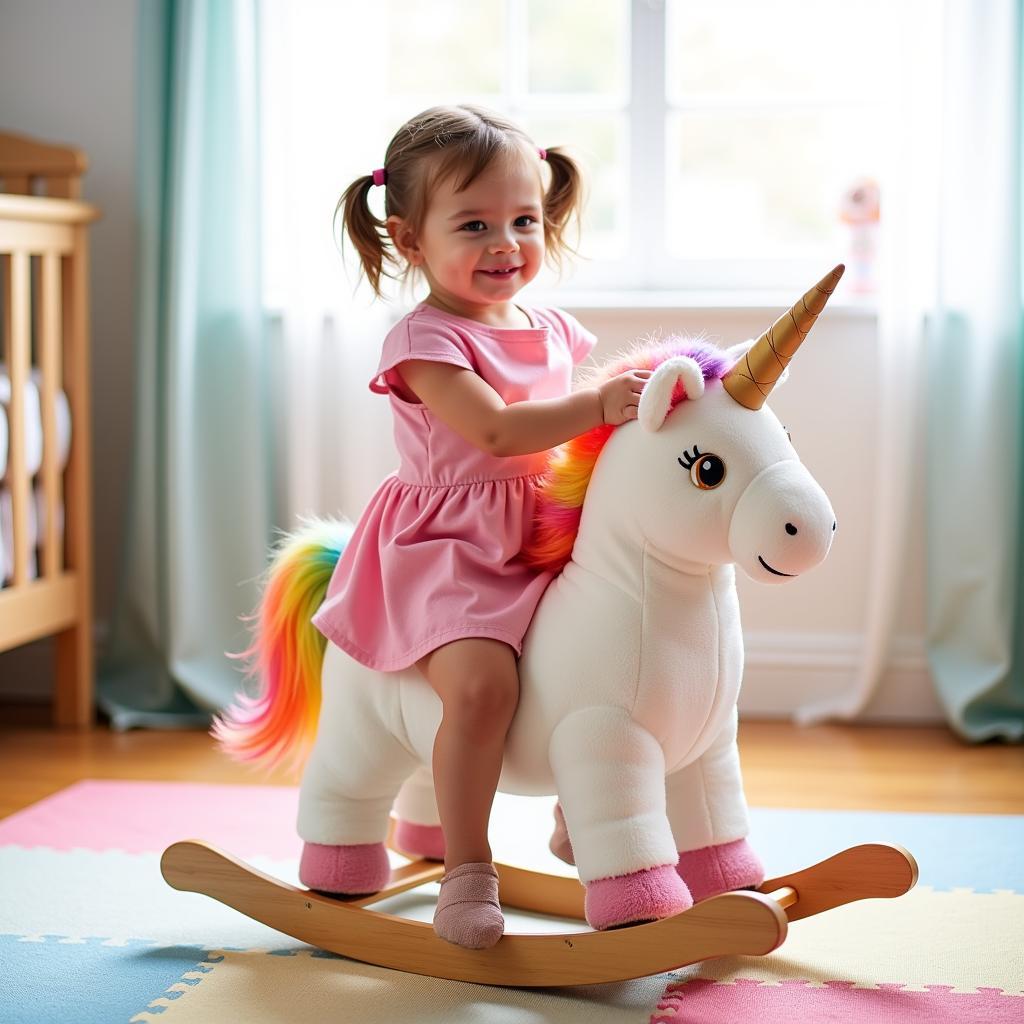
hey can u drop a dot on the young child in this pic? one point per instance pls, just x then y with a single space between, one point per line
480 390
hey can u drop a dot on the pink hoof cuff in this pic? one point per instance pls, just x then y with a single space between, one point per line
419 840
717 869
347 870
648 895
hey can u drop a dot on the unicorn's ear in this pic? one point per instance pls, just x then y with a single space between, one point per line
736 352
656 400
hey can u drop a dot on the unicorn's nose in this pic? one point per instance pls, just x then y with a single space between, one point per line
782 524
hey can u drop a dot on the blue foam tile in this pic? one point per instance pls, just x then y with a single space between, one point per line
88 982
983 852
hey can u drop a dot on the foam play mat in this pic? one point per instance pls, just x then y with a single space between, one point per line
90 932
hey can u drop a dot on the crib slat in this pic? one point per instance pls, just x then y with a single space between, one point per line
50 367
17 184
18 344
73 704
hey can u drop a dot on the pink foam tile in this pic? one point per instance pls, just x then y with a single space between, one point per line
146 817
838 1002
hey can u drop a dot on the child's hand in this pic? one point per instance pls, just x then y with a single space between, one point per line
620 396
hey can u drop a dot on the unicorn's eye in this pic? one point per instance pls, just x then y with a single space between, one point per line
706 471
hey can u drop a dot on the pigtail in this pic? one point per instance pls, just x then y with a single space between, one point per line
368 233
563 203
469 139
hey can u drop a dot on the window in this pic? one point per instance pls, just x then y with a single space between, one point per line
719 136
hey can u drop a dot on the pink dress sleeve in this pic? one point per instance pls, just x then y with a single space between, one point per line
418 338
579 340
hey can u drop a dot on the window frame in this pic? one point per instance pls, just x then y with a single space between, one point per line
646 268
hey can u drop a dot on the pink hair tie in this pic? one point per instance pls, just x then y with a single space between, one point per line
543 153
380 176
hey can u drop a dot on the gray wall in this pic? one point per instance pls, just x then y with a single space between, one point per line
67 74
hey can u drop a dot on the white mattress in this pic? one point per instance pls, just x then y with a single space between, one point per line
34 460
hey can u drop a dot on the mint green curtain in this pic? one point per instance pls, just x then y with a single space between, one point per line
976 388
199 522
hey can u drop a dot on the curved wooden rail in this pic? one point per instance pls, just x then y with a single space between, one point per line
737 923
871 871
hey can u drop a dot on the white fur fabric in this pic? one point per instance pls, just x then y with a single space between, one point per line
631 668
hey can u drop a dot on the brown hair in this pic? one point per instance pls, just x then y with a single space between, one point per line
461 142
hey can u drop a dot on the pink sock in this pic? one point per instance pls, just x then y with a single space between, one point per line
468 913
716 869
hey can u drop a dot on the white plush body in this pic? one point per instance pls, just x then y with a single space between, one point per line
631 668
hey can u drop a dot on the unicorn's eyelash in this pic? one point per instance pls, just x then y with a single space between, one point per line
687 459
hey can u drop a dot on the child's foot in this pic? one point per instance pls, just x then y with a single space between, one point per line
468 913
559 843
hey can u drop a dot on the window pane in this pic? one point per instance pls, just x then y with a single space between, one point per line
770 185
741 48
446 46
598 142
578 46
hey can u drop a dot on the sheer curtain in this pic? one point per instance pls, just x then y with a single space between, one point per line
200 491
951 342
976 359
907 278
325 123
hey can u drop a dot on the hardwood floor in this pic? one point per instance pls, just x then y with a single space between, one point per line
834 766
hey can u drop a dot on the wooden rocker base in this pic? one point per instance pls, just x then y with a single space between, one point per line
736 923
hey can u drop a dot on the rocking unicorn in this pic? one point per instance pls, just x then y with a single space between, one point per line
630 674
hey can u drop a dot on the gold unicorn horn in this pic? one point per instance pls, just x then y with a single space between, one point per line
751 380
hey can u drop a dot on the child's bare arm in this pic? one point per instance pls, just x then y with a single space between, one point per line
472 408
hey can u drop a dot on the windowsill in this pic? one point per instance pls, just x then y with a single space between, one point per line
762 304
709 301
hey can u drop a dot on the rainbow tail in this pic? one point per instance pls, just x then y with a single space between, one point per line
279 724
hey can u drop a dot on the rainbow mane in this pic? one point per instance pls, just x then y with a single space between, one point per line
561 492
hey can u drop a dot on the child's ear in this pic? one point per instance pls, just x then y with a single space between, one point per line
405 241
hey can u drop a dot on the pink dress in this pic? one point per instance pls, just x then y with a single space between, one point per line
435 555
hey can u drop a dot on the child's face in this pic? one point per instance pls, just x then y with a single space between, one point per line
478 247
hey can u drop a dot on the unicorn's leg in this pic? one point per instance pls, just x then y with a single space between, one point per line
418 824
708 814
610 774
351 780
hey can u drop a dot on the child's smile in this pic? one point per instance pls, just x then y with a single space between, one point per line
481 245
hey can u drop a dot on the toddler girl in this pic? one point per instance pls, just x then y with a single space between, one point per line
480 389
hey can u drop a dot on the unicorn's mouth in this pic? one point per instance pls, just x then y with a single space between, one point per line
774 572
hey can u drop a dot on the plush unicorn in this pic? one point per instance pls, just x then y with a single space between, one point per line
631 667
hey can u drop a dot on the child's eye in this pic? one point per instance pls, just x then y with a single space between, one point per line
525 221
474 226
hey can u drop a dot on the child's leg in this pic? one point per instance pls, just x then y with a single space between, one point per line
478 682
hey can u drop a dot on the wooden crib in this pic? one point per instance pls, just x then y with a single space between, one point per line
44 296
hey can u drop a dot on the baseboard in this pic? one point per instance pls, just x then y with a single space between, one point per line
787 671
784 672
